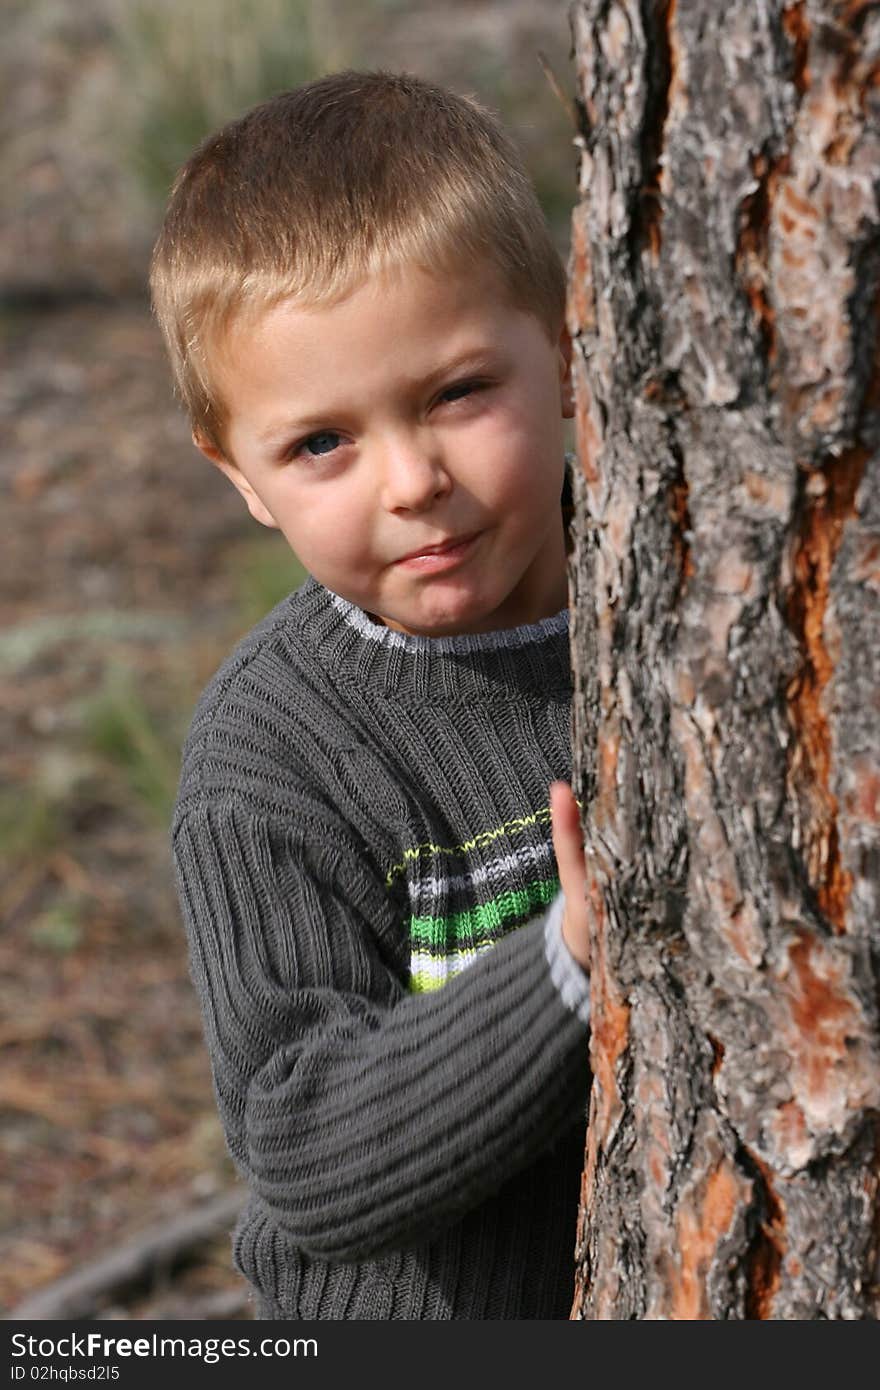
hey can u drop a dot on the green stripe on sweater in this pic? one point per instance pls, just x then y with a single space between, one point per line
484 922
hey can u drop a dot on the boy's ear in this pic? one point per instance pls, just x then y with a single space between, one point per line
257 508
566 388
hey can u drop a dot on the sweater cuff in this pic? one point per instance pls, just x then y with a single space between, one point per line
571 980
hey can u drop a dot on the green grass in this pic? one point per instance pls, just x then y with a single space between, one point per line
130 732
31 824
265 571
59 927
139 746
191 67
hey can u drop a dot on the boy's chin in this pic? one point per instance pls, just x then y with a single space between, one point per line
442 628
396 626
446 625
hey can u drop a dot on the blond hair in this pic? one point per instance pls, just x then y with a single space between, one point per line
317 188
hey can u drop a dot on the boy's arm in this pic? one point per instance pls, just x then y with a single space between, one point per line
363 1116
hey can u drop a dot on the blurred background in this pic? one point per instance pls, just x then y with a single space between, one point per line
128 569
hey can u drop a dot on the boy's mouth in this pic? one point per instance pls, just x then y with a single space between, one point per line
441 555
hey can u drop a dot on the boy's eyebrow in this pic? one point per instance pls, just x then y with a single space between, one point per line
277 435
473 360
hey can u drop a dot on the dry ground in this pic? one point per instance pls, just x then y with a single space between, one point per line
121 577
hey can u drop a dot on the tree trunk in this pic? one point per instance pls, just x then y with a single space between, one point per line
726 626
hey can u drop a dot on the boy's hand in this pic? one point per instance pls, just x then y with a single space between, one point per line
569 846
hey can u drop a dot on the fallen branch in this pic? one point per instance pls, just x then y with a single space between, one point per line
157 1250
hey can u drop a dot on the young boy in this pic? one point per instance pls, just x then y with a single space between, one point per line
365 315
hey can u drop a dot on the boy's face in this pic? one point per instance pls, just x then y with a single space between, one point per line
408 442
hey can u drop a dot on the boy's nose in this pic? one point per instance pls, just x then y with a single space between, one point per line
414 475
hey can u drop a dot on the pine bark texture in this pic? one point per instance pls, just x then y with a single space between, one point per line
725 305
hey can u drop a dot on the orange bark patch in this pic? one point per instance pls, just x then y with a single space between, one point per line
609 1021
701 1224
797 27
863 802
798 204
581 318
581 312
833 1071
823 1015
608 752
589 437
657 1167
810 765
764 1260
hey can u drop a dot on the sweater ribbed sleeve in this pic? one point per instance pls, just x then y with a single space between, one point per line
364 1117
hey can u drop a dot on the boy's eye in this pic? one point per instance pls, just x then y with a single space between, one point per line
460 390
317 444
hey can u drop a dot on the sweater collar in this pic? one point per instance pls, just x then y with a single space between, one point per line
355 649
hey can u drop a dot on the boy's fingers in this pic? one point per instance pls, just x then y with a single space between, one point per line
568 845
568 841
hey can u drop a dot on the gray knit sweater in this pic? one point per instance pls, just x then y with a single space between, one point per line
397 1033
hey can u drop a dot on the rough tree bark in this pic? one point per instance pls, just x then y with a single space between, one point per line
724 300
